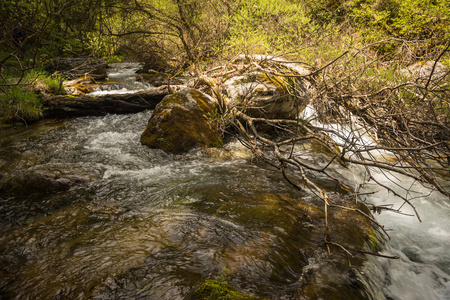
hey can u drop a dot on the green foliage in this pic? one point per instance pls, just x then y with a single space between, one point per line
423 19
325 12
19 100
100 45
264 24
41 81
19 105
174 34
411 19
114 59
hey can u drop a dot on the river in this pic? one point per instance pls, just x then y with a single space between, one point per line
137 223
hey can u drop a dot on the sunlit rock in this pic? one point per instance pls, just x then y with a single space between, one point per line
261 94
80 86
181 122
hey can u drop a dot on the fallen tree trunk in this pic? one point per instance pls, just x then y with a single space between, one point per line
68 107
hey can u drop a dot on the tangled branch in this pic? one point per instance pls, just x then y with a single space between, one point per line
389 125
364 112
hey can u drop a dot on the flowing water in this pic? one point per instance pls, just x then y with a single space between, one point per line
423 268
122 80
137 223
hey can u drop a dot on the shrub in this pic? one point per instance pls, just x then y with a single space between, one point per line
41 81
19 105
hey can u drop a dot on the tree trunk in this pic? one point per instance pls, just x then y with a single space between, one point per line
67 107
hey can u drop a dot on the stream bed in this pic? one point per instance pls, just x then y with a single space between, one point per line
123 221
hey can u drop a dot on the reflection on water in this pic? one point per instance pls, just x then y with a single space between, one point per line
141 223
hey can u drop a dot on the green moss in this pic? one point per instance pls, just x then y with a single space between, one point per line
219 290
175 128
374 241
202 101
278 81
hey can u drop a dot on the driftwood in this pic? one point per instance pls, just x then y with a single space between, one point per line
68 107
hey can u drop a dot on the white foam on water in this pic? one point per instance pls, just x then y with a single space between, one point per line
423 270
123 78
355 133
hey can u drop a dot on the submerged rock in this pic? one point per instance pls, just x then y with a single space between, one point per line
48 179
180 123
219 289
308 255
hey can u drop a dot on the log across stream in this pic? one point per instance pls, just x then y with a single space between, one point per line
86 105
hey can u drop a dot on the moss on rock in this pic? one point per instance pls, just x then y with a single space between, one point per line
296 238
219 290
178 123
81 85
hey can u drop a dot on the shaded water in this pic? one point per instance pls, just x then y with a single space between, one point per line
139 223
151 218
122 80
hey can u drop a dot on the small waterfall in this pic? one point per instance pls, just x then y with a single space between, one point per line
122 80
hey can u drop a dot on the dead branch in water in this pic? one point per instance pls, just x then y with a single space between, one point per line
383 120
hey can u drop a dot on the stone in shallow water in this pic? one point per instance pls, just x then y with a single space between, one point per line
157 79
180 123
219 289
46 179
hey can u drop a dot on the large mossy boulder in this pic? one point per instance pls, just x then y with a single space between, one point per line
181 122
